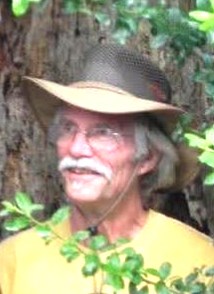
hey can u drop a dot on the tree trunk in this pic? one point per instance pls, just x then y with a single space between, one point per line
45 44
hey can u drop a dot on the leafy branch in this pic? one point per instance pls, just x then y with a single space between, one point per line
117 262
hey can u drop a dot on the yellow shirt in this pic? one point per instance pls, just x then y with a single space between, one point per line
28 266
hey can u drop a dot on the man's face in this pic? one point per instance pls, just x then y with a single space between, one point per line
104 148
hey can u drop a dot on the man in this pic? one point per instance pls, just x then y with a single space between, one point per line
111 131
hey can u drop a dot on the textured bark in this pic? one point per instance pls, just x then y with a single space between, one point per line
48 44
44 44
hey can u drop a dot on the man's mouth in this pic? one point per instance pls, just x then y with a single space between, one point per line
83 171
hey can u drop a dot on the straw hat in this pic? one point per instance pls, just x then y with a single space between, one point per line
114 80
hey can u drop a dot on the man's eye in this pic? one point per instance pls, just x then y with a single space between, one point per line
67 127
102 132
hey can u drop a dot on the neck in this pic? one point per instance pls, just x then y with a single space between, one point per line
125 221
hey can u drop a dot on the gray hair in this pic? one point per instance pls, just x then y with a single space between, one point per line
149 137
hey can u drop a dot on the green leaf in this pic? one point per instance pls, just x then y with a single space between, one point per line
11 208
191 278
196 141
16 224
129 251
23 202
121 241
60 215
209 135
20 7
200 15
133 263
4 212
179 285
165 270
153 272
144 290
209 179
133 289
197 288
81 236
113 262
203 5
92 263
161 288
207 157
98 242
115 281
44 231
70 251
209 272
36 207
207 25
212 4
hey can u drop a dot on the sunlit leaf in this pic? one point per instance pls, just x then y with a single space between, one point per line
4 212
200 15
209 135
209 179
207 25
16 224
212 4
20 7
196 141
11 208
23 201
207 157
60 215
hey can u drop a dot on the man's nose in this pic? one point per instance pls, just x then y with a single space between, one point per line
79 146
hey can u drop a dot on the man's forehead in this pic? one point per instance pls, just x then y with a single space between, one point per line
76 113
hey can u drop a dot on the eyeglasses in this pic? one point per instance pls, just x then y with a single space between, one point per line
99 138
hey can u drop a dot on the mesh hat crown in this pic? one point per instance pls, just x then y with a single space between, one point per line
114 80
134 73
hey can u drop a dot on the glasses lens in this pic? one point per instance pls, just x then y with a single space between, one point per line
104 139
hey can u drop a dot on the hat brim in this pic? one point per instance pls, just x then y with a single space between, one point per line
45 96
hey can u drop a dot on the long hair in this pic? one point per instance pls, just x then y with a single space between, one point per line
151 138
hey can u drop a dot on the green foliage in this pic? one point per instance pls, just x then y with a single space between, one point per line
120 265
205 144
205 17
20 7
172 28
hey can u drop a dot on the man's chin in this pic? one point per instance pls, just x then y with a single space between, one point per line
84 195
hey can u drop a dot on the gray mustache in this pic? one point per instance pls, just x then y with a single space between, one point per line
84 163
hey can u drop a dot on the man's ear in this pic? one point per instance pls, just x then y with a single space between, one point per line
149 163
